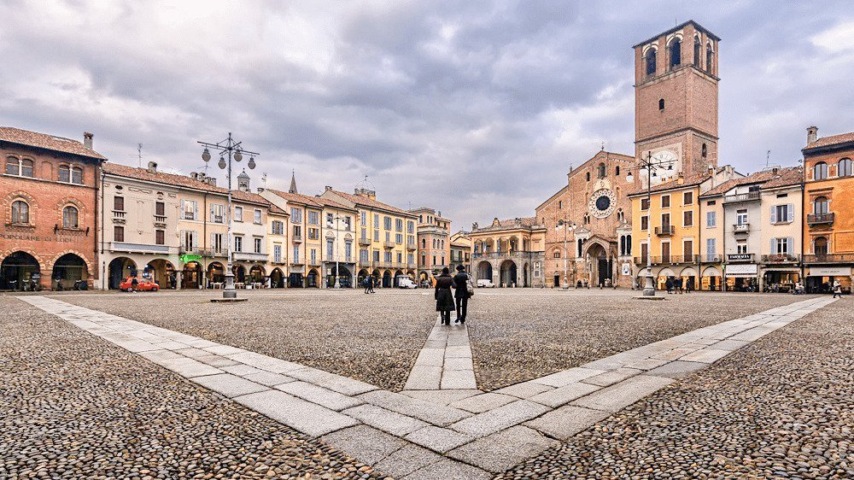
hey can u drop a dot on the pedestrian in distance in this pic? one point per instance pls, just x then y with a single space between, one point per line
366 283
462 293
443 296
668 284
371 282
837 289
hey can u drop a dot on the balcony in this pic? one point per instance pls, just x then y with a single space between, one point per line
160 221
665 230
820 219
741 228
296 238
829 258
742 197
411 247
365 242
498 255
119 216
216 219
739 258
389 244
214 253
710 258
249 257
780 258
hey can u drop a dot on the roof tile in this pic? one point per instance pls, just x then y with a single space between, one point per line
47 142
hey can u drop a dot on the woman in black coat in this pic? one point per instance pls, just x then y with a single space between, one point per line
444 297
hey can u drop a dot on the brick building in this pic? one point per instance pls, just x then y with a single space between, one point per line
49 191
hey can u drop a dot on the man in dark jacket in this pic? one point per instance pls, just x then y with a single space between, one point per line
461 294
443 296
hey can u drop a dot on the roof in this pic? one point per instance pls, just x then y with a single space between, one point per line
689 181
47 142
767 178
677 28
296 198
509 223
366 201
831 140
181 181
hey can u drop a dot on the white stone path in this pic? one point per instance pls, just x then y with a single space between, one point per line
457 433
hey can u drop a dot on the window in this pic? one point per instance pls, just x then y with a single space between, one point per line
277 253
189 209
843 169
238 243
313 218
376 255
20 212
711 248
601 170
819 171
257 246
238 214
688 250
645 222
688 198
348 250
330 220
665 201
782 246
704 151
665 221
363 256
296 255
617 170
363 217
675 53
216 243
820 206
297 232
387 257
257 217
697 50
398 225
159 237
688 219
741 246
296 215
278 227
660 104
709 55
313 256
410 227
820 246
189 242
376 220
557 254
159 209
711 219
119 204
387 223
330 248
398 237
21 167
588 176
644 204
69 217
118 234
376 235
782 213
347 223
650 61
741 217
217 213
69 174
313 233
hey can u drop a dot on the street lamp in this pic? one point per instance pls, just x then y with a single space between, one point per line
235 151
337 275
651 165
566 226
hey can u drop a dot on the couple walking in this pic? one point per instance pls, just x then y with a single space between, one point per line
445 299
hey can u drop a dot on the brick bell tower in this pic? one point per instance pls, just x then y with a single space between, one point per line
676 99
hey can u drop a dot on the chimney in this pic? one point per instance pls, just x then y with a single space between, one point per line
194 175
328 188
87 140
812 135
152 167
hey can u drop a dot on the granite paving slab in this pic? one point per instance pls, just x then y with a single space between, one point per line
412 407
365 443
319 395
623 394
483 402
500 451
229 385
677 369
565 394
294 412
447 469
385 420
406 460
438 439
567 421
499 418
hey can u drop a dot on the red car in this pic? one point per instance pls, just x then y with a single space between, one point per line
138 284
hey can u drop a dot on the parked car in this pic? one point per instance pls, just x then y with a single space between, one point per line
131 284
485 283
406 282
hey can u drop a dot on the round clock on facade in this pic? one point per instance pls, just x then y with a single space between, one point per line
602 203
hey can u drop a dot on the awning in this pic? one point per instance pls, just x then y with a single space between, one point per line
828 271
187 258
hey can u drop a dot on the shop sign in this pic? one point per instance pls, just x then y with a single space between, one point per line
733 270
829 271
187 258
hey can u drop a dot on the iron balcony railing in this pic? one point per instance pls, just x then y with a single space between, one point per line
830 258
667 259
665 230
514 253
820 218
780 258
742 197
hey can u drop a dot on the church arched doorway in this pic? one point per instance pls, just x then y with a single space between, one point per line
601 266
484 271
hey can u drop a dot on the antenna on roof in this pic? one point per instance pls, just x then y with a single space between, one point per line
767 158
139 154
264 180
603 145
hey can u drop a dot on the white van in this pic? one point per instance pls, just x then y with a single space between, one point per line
485 283
405 282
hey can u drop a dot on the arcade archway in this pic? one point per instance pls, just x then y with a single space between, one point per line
17 270
484 271
68 269
119 269
277 278
508 273
162 272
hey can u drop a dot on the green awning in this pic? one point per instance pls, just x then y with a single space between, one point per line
187 258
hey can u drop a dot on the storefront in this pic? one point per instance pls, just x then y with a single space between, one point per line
742 277
711 279
780 280
820 279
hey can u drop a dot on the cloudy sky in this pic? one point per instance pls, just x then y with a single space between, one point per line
474 108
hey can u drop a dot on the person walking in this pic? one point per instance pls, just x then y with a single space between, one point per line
371 282
461 293
837 289
443 296
366 283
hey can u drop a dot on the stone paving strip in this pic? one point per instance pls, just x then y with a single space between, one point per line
434 429
445 361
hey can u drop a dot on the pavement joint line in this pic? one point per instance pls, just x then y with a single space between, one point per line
553 420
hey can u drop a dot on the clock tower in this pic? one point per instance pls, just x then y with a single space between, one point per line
676 99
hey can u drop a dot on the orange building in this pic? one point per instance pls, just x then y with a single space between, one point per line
829 206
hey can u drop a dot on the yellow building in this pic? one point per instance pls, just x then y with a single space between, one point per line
509 253
386 236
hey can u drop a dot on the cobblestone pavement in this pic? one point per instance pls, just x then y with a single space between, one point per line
516 334
467 437
782 407
73 406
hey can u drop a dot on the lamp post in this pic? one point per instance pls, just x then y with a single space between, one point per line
234 150
651 165
566 226
337 273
